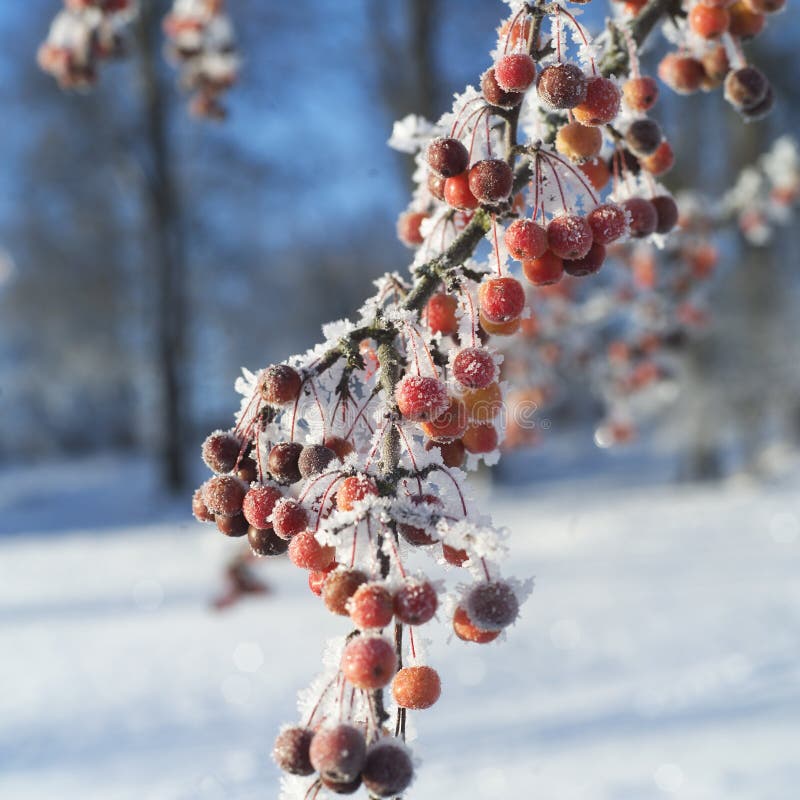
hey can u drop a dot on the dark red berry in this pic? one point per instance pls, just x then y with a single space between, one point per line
388 770
338 753
491 180
280 384
265 542
608 223
199 507
643 136
587 265
291 750
497 96
337 787
224 494
745 88
283 462
762 109
341 446
666 211
492 606
643 216
233 526
452 452
413 534
447 156
340 587
221 451
314 459
415 602
436 185
562 86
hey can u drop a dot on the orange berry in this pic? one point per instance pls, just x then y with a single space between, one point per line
416 688
467 632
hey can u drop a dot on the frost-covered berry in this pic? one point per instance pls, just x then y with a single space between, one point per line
709 22
416 688
388 770
467 632
501 299
265 542
661 161
455 556
372 606
338 787
683 74
280 384
457 193
317 578
492 606
579 142
495 94
415 602
545 270
499 328
643 136
480 438
569 236
282 462
246 470
221 451
608 223
258 505
561 86
291 750
314 459
436 185
233 525
745 88
369 662
452 452
408 228
224 494
602 102
447 156
589 264
338 753
448 425
289 518
491 180
199 507
597 172
643 216
441 314
420 398
515 72
340 587
474 367
412 533
640 94
307 553
484 404
666 211
525 239
353 489
340 446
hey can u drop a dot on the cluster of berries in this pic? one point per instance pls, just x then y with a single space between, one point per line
202 44
83 35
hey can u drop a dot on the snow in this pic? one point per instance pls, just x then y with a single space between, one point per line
656 657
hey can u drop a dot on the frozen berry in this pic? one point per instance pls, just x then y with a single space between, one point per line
661 161
340 587
415 602
369 662
525 239
666 211
597 172
221 451
258 505
579 142
289 518
265 542
497 96
224 494
282 462
587 265
562 86
474 367
709 22
448 425
484 404
745 87
408 228
640 94
492 606
420 398
314 459
452 452
413 534
338 753
543 271
436 185
416 688
447 157
455 556
199 507
683 74
280 384
307 553
515 72
246 470
480 438
441 314
467 632
569 236
339 787
340 446
317 578
388 771
372 606
643 136
491 180
643 216
602 102
352 490
608 223
458 194
233 525
501 299
291 750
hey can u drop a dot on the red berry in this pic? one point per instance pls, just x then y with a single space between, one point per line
282 462
458 194
643 216
640 94
543 271
515 72
497 96
683 74
369 662
291 750
388 771
233 525
416 688
349 787
608 223
199 507
413 534
408 228
643 136
338 753
436 185
745 22
289 518
765 6
307 553
525 239
420 398
340 446
562 86
258 505
314 459
340 587
661 161
280 384
224 494
569 236
354 489
467 632
447 157
455 556
247 470
710 22
587 265
452 452
666 211
265 542
474 367
501 299
415 602
491 180
481 438
492 606
372 606
448 425
597 172
221 451
602 102
441 314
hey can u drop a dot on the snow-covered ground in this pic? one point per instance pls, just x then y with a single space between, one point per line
659 656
